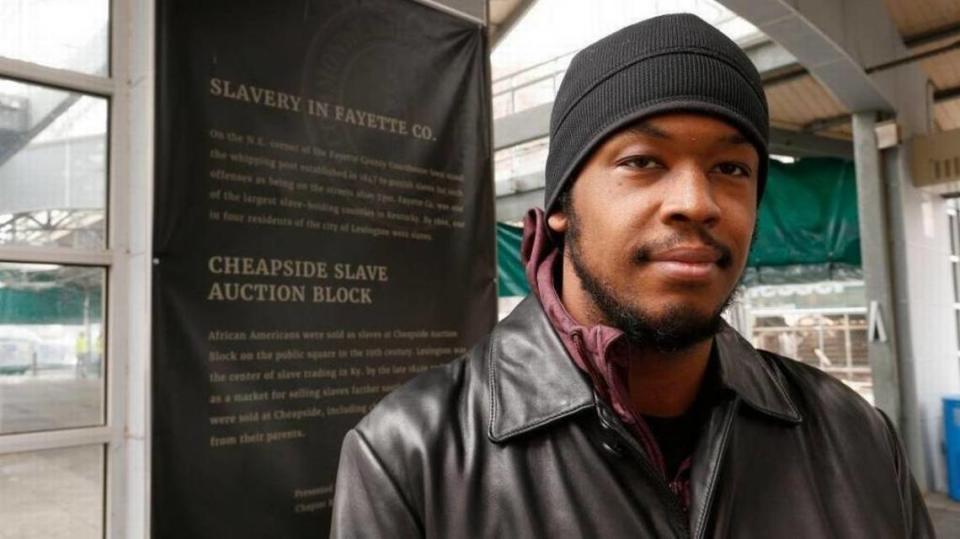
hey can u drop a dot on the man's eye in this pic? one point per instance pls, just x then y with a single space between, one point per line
640 162
732 169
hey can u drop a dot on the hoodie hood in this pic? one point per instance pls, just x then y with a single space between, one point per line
602 352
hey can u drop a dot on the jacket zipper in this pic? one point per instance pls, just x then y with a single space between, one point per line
658 477
728 418
666 493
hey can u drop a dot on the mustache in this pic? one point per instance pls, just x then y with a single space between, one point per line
696 235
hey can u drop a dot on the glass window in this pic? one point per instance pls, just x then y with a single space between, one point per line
54 163
51 347
52 494
66 34
520 160
53 167
953 216
835 342
536 93
956 313
502 105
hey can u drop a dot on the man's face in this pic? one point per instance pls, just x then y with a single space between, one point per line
658 226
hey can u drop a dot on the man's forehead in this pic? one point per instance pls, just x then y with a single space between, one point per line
663 127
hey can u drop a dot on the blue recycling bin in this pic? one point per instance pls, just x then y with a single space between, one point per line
951 434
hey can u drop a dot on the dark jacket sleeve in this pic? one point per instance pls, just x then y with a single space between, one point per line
915 515
368 501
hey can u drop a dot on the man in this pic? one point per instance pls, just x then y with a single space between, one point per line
614 402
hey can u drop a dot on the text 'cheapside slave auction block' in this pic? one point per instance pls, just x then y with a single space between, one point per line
323 232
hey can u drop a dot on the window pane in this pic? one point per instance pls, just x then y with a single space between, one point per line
820 340
521 160
68 34
533 94
955 266
53 167
957 317
502 105
954 239
52 494
51 347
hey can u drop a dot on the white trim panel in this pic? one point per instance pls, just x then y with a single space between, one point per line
61 78
55 255
55 439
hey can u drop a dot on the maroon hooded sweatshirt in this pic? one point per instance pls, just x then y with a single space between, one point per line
602 352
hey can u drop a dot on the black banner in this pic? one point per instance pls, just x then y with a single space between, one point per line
323 232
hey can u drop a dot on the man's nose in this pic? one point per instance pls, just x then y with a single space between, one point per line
689 197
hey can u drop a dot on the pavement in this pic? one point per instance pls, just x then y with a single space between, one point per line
56 493
945 514
53 399
52 494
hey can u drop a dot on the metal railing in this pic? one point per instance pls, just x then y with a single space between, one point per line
831 339
520 160
529 87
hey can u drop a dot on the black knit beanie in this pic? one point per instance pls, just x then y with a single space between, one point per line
669 63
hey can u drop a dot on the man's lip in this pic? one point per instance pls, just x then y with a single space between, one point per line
687 255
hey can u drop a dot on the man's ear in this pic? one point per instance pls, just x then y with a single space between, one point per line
557 221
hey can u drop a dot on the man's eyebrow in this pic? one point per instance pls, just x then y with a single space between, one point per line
734 139
645 129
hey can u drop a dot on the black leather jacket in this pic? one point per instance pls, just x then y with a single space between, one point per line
510 441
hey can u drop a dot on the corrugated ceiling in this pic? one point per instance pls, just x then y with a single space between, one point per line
804 104
916 17
799 103
503 14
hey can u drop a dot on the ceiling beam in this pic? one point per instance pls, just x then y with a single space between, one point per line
499 31
823 124
797 144
946 94
929 37
912 42
522 126
834 40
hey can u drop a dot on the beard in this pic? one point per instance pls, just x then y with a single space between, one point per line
677 328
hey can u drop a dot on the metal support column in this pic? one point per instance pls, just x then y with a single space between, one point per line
875 252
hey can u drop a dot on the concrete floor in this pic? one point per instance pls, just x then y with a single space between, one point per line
55 493
49 400
945 514
52 494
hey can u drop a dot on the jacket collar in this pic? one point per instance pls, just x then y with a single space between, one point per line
532 382
753 377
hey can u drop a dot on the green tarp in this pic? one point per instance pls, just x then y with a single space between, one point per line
808 215
512 280
807 228
61 305
69 295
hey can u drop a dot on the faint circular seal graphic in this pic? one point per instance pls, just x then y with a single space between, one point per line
370 56
380 58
